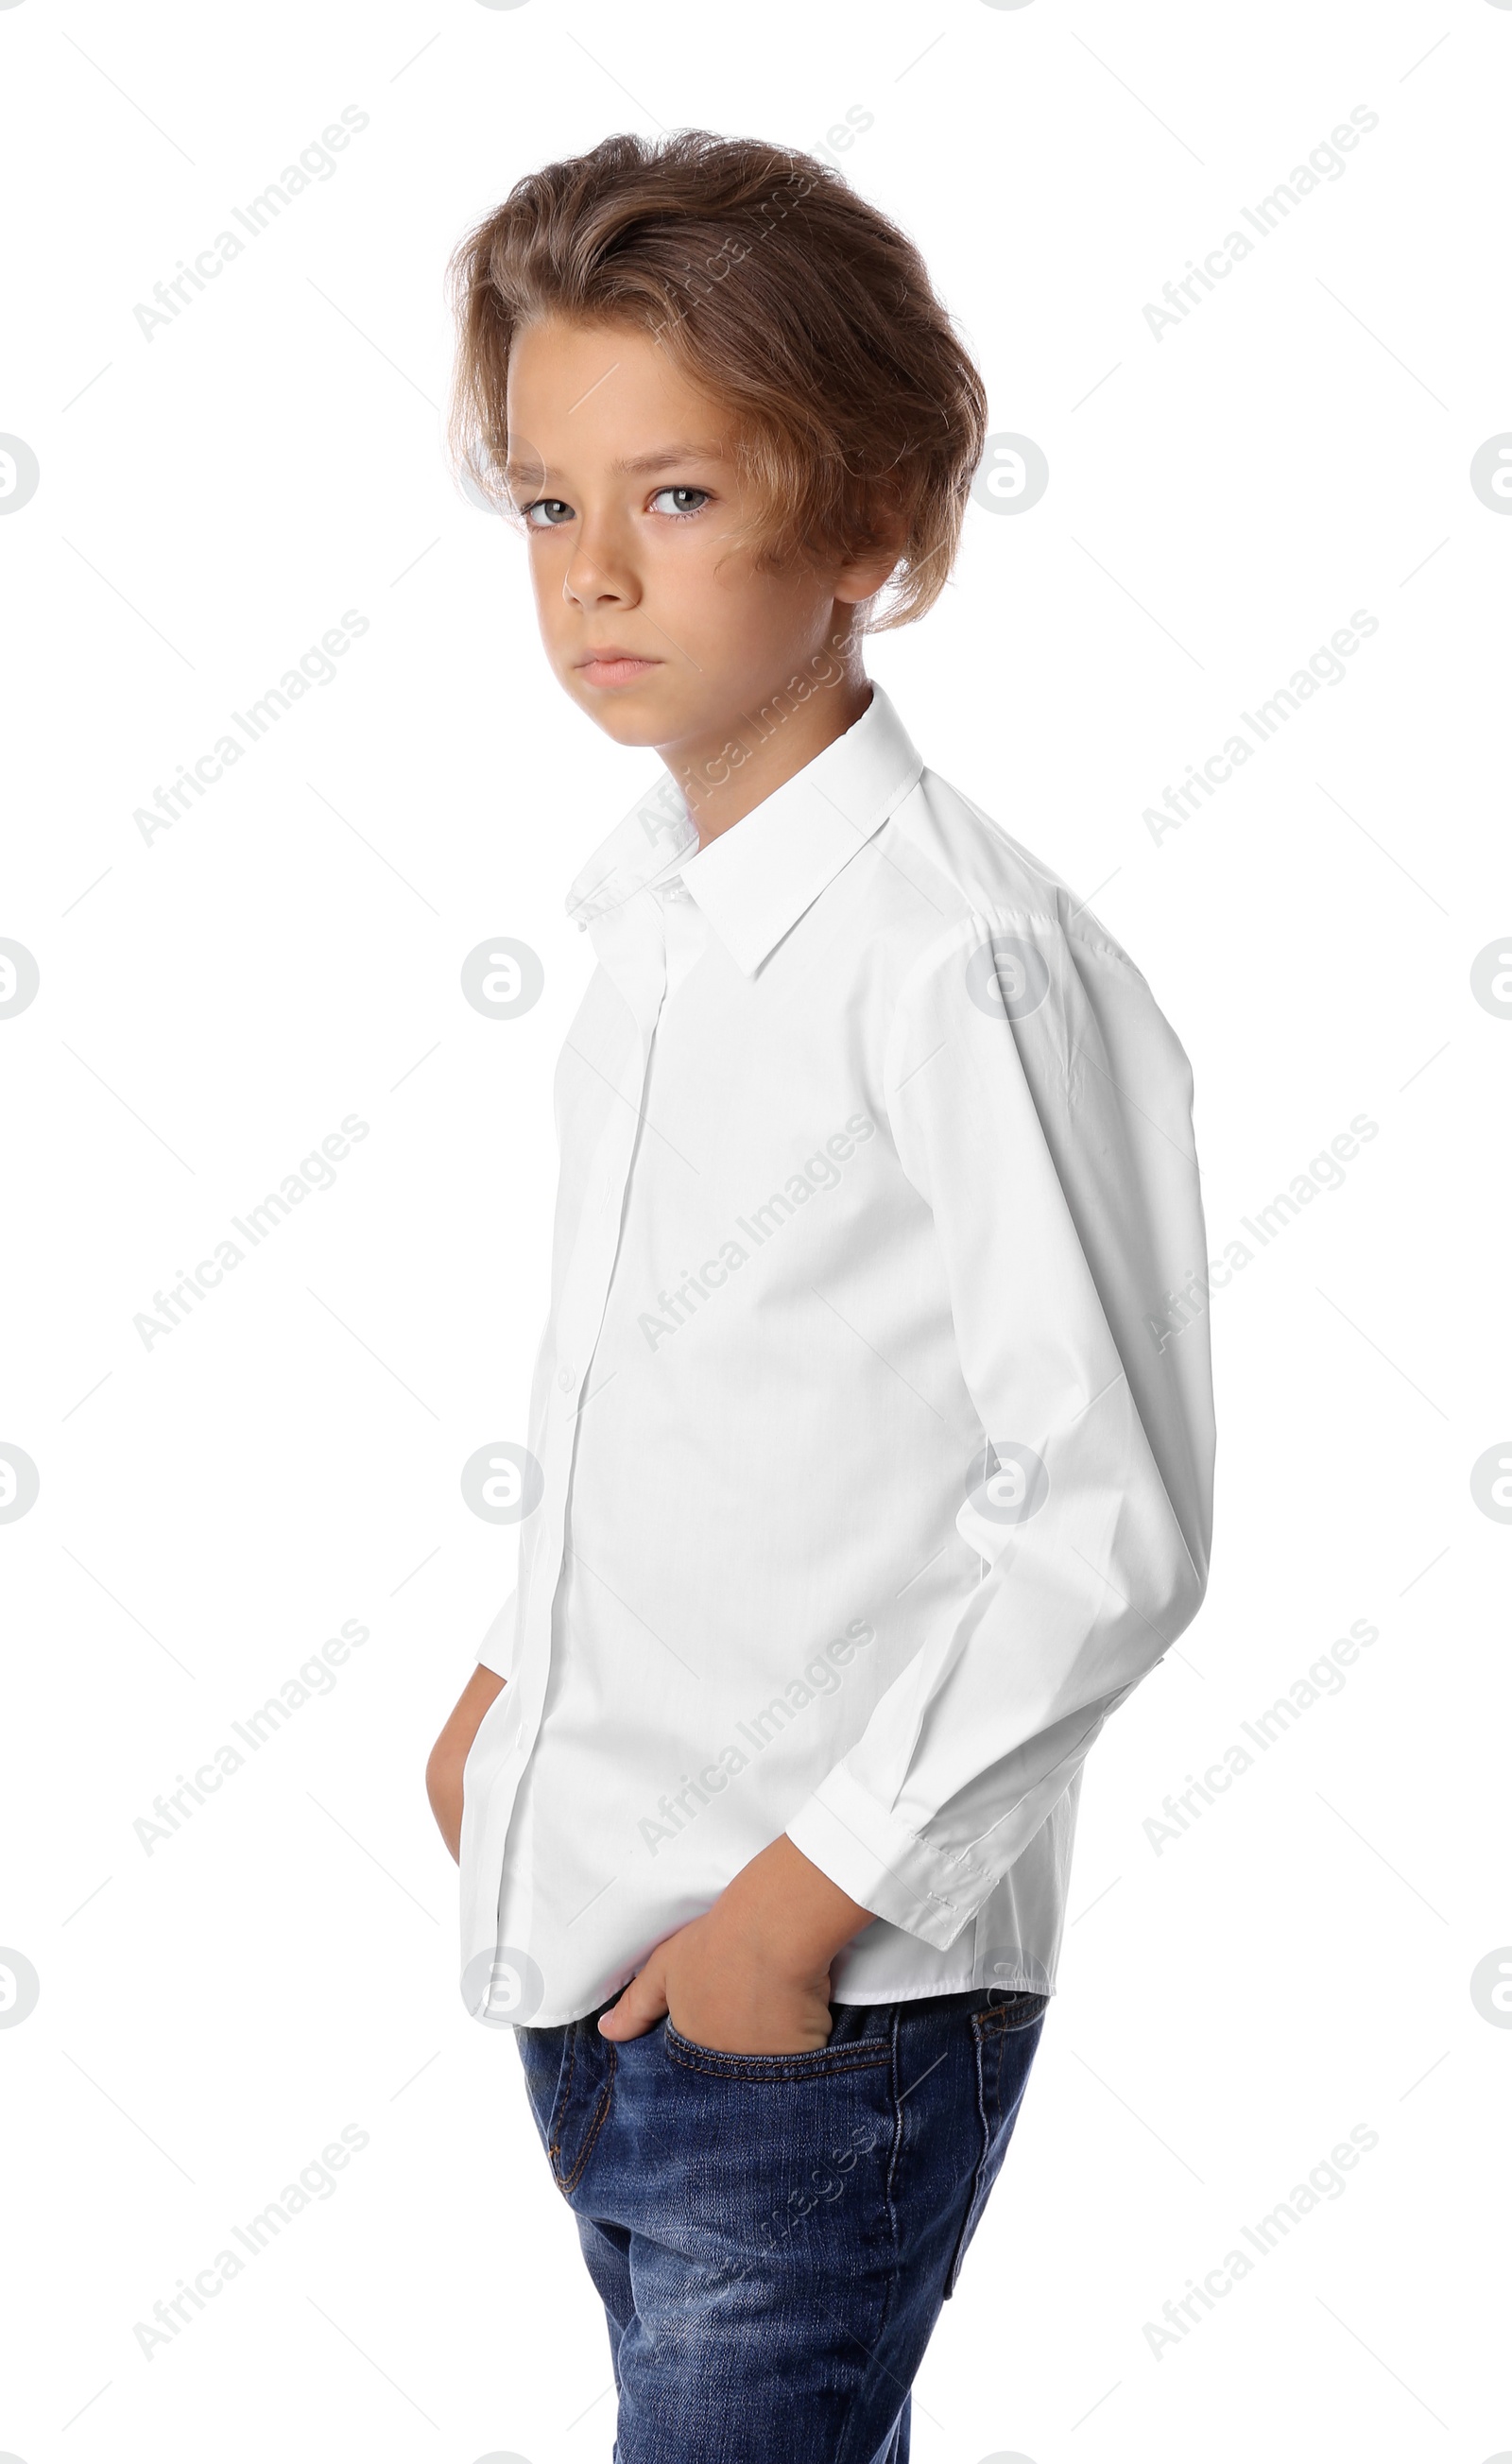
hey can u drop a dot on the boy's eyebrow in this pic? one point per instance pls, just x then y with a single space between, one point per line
661 457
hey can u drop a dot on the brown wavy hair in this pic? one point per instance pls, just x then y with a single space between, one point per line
781 295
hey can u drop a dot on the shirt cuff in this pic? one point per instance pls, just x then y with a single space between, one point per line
495 1651
888 1868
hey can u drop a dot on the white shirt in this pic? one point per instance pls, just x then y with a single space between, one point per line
874 1432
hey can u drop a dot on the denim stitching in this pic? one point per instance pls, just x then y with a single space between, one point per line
890 2295
999 2043
819 2064
893 2160
569 2183
995 2021
959 2253
563 2092
599 2117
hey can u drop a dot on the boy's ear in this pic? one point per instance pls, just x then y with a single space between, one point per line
864 575
855 583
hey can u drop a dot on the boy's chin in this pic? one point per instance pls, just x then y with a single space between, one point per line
627 717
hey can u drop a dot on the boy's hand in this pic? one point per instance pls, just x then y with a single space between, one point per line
449 1753
752 1976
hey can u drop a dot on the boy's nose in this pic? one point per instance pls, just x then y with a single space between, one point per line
593 581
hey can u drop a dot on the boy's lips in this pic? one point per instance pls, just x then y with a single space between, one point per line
615 667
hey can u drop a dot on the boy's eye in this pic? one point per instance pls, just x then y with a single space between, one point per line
680 500
547 512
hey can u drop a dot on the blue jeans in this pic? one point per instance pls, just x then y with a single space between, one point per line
772 2235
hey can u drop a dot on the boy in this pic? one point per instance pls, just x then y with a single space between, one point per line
870 1445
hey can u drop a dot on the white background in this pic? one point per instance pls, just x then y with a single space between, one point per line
214 1001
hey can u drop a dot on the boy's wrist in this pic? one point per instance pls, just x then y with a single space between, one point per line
794 1917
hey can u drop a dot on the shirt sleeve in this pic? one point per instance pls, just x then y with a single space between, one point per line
1041 1106
497 1650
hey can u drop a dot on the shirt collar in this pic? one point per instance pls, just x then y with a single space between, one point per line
756 880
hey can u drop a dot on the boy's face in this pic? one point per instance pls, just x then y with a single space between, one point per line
654 623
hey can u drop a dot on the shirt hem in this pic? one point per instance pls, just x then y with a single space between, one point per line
930 1991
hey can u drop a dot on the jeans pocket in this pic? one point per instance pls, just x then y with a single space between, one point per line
824 2062
1006 2035
583 2091
778 2167
542 2057
997 2054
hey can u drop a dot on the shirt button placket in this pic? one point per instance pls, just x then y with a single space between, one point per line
593 1263
581 1314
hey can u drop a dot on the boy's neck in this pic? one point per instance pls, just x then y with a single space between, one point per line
775 744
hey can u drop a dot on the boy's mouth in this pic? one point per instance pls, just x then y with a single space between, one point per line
614 667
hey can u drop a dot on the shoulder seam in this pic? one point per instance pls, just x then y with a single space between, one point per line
1057 893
